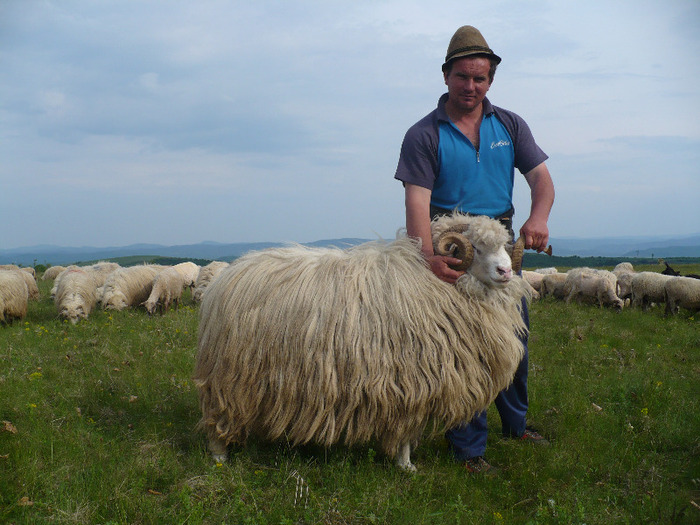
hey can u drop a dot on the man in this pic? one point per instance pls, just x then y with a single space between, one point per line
463 156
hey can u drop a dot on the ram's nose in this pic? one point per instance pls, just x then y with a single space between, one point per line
505 272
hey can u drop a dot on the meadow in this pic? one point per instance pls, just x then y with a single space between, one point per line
97 425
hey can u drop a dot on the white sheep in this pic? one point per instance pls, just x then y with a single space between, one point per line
30 281
587 284
57 280
682 292
533 278
623 268
326 345
553 285
647 288
546 271
167 289
52 272
13 296
205 276
77 288
130 286
76 294
189 272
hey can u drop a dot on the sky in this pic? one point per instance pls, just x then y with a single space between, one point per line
176 122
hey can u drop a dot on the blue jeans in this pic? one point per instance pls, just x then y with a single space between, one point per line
469 440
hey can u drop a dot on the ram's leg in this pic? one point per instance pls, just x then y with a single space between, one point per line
403 458
218 449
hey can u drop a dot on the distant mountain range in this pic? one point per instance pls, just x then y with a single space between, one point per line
632 247
54 255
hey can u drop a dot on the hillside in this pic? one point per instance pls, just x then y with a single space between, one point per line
614 248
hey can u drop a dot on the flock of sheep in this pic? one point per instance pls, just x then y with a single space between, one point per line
78 290
326 345
617 288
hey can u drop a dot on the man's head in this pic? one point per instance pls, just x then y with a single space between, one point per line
469 42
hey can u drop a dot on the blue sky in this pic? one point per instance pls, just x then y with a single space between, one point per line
176 122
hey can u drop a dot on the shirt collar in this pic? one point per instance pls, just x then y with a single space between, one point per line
442 114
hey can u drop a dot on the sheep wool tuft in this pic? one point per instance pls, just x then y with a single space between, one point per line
327 345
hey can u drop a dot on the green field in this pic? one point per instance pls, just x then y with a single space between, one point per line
97 426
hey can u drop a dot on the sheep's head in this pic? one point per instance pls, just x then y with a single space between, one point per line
115 301
73 308
480 243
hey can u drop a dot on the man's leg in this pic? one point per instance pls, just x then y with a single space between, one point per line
469 440
512 403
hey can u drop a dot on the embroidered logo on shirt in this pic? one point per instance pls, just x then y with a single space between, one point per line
500 144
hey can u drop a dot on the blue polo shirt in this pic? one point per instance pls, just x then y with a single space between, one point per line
438 156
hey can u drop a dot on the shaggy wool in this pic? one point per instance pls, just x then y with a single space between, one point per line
327 345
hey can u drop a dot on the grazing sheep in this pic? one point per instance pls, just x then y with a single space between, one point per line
546 271
76 295
77 288
130 286
13 296
647 288
624 286
30 270
52 272
682 292
206 275
326 345
32 286
167 290
534 279
623 268
586 285
553 284
189 272
57 280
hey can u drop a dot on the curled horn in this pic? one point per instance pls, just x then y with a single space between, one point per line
458 246
516 254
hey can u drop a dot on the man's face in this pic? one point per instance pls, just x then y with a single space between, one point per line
468 82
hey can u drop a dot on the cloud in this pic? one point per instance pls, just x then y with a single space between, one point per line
196 117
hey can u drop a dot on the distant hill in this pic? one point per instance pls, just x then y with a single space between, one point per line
688 246
605 247
54 255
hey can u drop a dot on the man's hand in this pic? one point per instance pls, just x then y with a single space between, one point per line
536 235
440 266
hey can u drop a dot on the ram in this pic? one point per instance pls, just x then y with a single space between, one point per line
327 345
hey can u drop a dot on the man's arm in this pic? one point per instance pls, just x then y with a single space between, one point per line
418 227
535 230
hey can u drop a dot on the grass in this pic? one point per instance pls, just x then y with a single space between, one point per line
100 421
